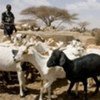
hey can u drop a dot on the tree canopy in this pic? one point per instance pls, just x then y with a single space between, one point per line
49 14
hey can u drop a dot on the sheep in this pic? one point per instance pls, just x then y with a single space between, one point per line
78 70
30 54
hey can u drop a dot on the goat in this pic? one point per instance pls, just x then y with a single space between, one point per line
40 62
77 70
19 39
7 64
72 50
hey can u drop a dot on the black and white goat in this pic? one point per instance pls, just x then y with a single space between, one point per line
78 70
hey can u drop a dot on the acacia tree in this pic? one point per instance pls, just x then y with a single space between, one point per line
83 26
49 14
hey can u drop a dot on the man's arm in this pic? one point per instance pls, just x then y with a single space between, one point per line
3 21
2 18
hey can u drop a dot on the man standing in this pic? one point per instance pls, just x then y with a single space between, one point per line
8 22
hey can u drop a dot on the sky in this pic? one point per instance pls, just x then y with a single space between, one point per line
88 10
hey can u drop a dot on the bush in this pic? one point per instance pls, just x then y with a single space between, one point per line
97 38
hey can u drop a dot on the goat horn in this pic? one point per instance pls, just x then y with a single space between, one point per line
26 51
30 45
62 49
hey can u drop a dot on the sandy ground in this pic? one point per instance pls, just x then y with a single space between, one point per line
59 88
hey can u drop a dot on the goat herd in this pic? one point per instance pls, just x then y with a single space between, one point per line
74 61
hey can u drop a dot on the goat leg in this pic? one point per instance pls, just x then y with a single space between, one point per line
85 89
70 87
46 86
97 85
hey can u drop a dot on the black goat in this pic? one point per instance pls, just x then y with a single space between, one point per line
77 70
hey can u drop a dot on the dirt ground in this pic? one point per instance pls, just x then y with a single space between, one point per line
59 88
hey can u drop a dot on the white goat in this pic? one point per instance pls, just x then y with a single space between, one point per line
7 63
40 62
19 39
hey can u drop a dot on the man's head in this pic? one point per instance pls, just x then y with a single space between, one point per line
8 7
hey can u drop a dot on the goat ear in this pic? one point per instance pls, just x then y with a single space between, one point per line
30 51
14 52
62 60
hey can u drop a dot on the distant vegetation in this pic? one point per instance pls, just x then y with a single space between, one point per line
96 33
83 25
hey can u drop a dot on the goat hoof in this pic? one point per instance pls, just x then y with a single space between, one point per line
73 94
94 93
22 96
85 98
76 95
25 90
40 99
